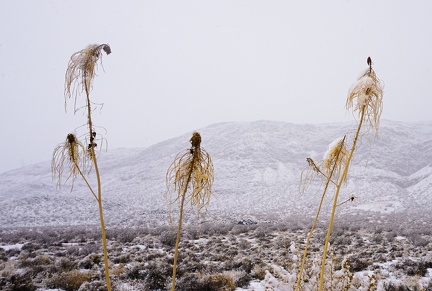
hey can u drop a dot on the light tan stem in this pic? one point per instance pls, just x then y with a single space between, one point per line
176 251
300 275
338 187
183 198
99 191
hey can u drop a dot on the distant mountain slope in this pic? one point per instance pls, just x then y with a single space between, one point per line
257 174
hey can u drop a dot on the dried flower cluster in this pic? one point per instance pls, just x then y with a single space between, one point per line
80 72
192 170
366 97
70 156
335 157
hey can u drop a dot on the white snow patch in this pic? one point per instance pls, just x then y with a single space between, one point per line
384 206
10 247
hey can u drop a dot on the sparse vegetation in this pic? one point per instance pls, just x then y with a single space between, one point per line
232 259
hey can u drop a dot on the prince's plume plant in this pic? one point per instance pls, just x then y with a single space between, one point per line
190 176
72 154
364 100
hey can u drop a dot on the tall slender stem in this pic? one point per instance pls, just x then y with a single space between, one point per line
338 187
329 179
99 189
183 198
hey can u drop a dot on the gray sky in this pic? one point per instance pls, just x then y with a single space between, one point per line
177 66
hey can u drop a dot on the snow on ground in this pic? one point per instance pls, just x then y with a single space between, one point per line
10 247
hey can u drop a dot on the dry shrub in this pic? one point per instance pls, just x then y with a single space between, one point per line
89 261
168 237
222 282
157 276
69 281
65 264
119 270
258 272
94 286
7 268
17 282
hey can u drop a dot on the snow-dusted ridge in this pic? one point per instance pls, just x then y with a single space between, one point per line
257 174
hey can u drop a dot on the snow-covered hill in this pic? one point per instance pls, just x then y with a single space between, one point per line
257 175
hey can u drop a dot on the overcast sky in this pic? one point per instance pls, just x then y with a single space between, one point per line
178 66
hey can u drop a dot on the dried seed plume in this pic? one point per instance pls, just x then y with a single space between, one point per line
192 174
80 72
366 97
68 157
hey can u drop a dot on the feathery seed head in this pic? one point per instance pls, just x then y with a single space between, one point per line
68 156
191 174
366 96
308 174
336 156
72 146
81 70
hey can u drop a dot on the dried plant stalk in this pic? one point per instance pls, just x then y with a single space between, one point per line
331 168
365 97
79 77
190 176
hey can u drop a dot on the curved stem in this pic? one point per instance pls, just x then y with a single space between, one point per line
338 187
